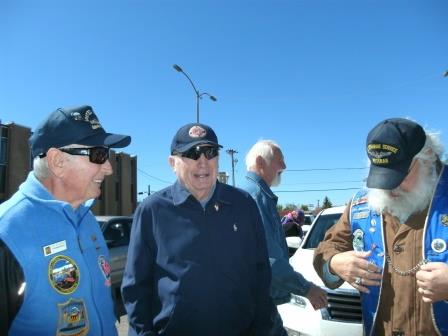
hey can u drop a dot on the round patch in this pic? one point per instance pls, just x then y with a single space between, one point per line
358 240
63 274
105 269
197 132
438 245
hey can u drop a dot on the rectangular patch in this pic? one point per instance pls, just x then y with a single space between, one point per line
359 215
55 248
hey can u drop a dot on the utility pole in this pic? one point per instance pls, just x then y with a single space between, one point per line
231 152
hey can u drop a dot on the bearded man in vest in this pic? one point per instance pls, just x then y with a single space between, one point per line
391 241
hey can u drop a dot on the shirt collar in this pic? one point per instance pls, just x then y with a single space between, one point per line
262 184
181 193
218 195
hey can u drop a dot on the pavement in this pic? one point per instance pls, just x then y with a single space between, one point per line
123 326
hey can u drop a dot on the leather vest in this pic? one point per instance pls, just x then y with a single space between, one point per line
367 231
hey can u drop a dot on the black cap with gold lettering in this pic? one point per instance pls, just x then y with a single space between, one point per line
391 145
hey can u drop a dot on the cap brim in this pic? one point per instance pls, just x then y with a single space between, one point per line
186 147
108 140
387 178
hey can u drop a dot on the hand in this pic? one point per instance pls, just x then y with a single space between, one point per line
318 297
354 268
432 281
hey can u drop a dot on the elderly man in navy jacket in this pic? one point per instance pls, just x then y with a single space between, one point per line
197 261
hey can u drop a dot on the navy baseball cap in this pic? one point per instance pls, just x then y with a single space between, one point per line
191 135
391 146
69 126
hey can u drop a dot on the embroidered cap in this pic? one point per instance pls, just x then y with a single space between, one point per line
391 146
69 126
192 135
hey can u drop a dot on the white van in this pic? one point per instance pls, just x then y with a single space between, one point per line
343 314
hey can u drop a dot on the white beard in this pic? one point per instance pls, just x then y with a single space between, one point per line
403 204
277 180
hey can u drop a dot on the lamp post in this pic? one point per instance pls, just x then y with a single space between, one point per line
196 91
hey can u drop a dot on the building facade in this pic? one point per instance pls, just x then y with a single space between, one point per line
119 191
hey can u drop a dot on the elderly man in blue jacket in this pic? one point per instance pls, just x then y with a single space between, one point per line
265 163
197 262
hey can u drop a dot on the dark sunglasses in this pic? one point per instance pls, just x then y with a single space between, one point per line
195 153
97 155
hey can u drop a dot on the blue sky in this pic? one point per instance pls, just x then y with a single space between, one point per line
313 75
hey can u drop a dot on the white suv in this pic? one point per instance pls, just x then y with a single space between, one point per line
343 314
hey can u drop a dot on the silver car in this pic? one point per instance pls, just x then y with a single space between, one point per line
116 232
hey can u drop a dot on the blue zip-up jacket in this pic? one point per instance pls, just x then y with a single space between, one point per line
284 279
64 259
197 271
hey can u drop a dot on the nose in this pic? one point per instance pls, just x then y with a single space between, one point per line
202 159
106 167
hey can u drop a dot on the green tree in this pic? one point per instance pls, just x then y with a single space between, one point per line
326 203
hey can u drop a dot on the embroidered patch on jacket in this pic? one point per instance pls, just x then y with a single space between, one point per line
444 219
63 274
362 214
105 269
438 245
360 201
73 319
358 240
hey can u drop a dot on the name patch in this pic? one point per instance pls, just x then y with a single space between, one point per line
55 248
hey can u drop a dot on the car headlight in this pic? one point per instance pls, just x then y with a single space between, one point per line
298 301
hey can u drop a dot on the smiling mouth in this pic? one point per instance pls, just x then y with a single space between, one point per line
201 175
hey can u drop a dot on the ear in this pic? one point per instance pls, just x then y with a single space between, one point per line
56 161
259 161
172 162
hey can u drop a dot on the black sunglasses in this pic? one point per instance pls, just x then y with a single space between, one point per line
97 155
195 153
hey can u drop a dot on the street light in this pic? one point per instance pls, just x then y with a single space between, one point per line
196 91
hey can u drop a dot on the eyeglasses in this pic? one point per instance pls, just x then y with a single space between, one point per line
97 155
195 153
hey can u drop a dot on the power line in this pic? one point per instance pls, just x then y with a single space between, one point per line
313 169
325 182
309 190
153 177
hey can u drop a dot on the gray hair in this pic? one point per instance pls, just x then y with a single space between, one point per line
263 148
40 168
40 165
433 148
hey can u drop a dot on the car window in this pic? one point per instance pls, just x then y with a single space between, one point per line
317 233
117 233
308 219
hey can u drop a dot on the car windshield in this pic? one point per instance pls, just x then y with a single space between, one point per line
317 233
